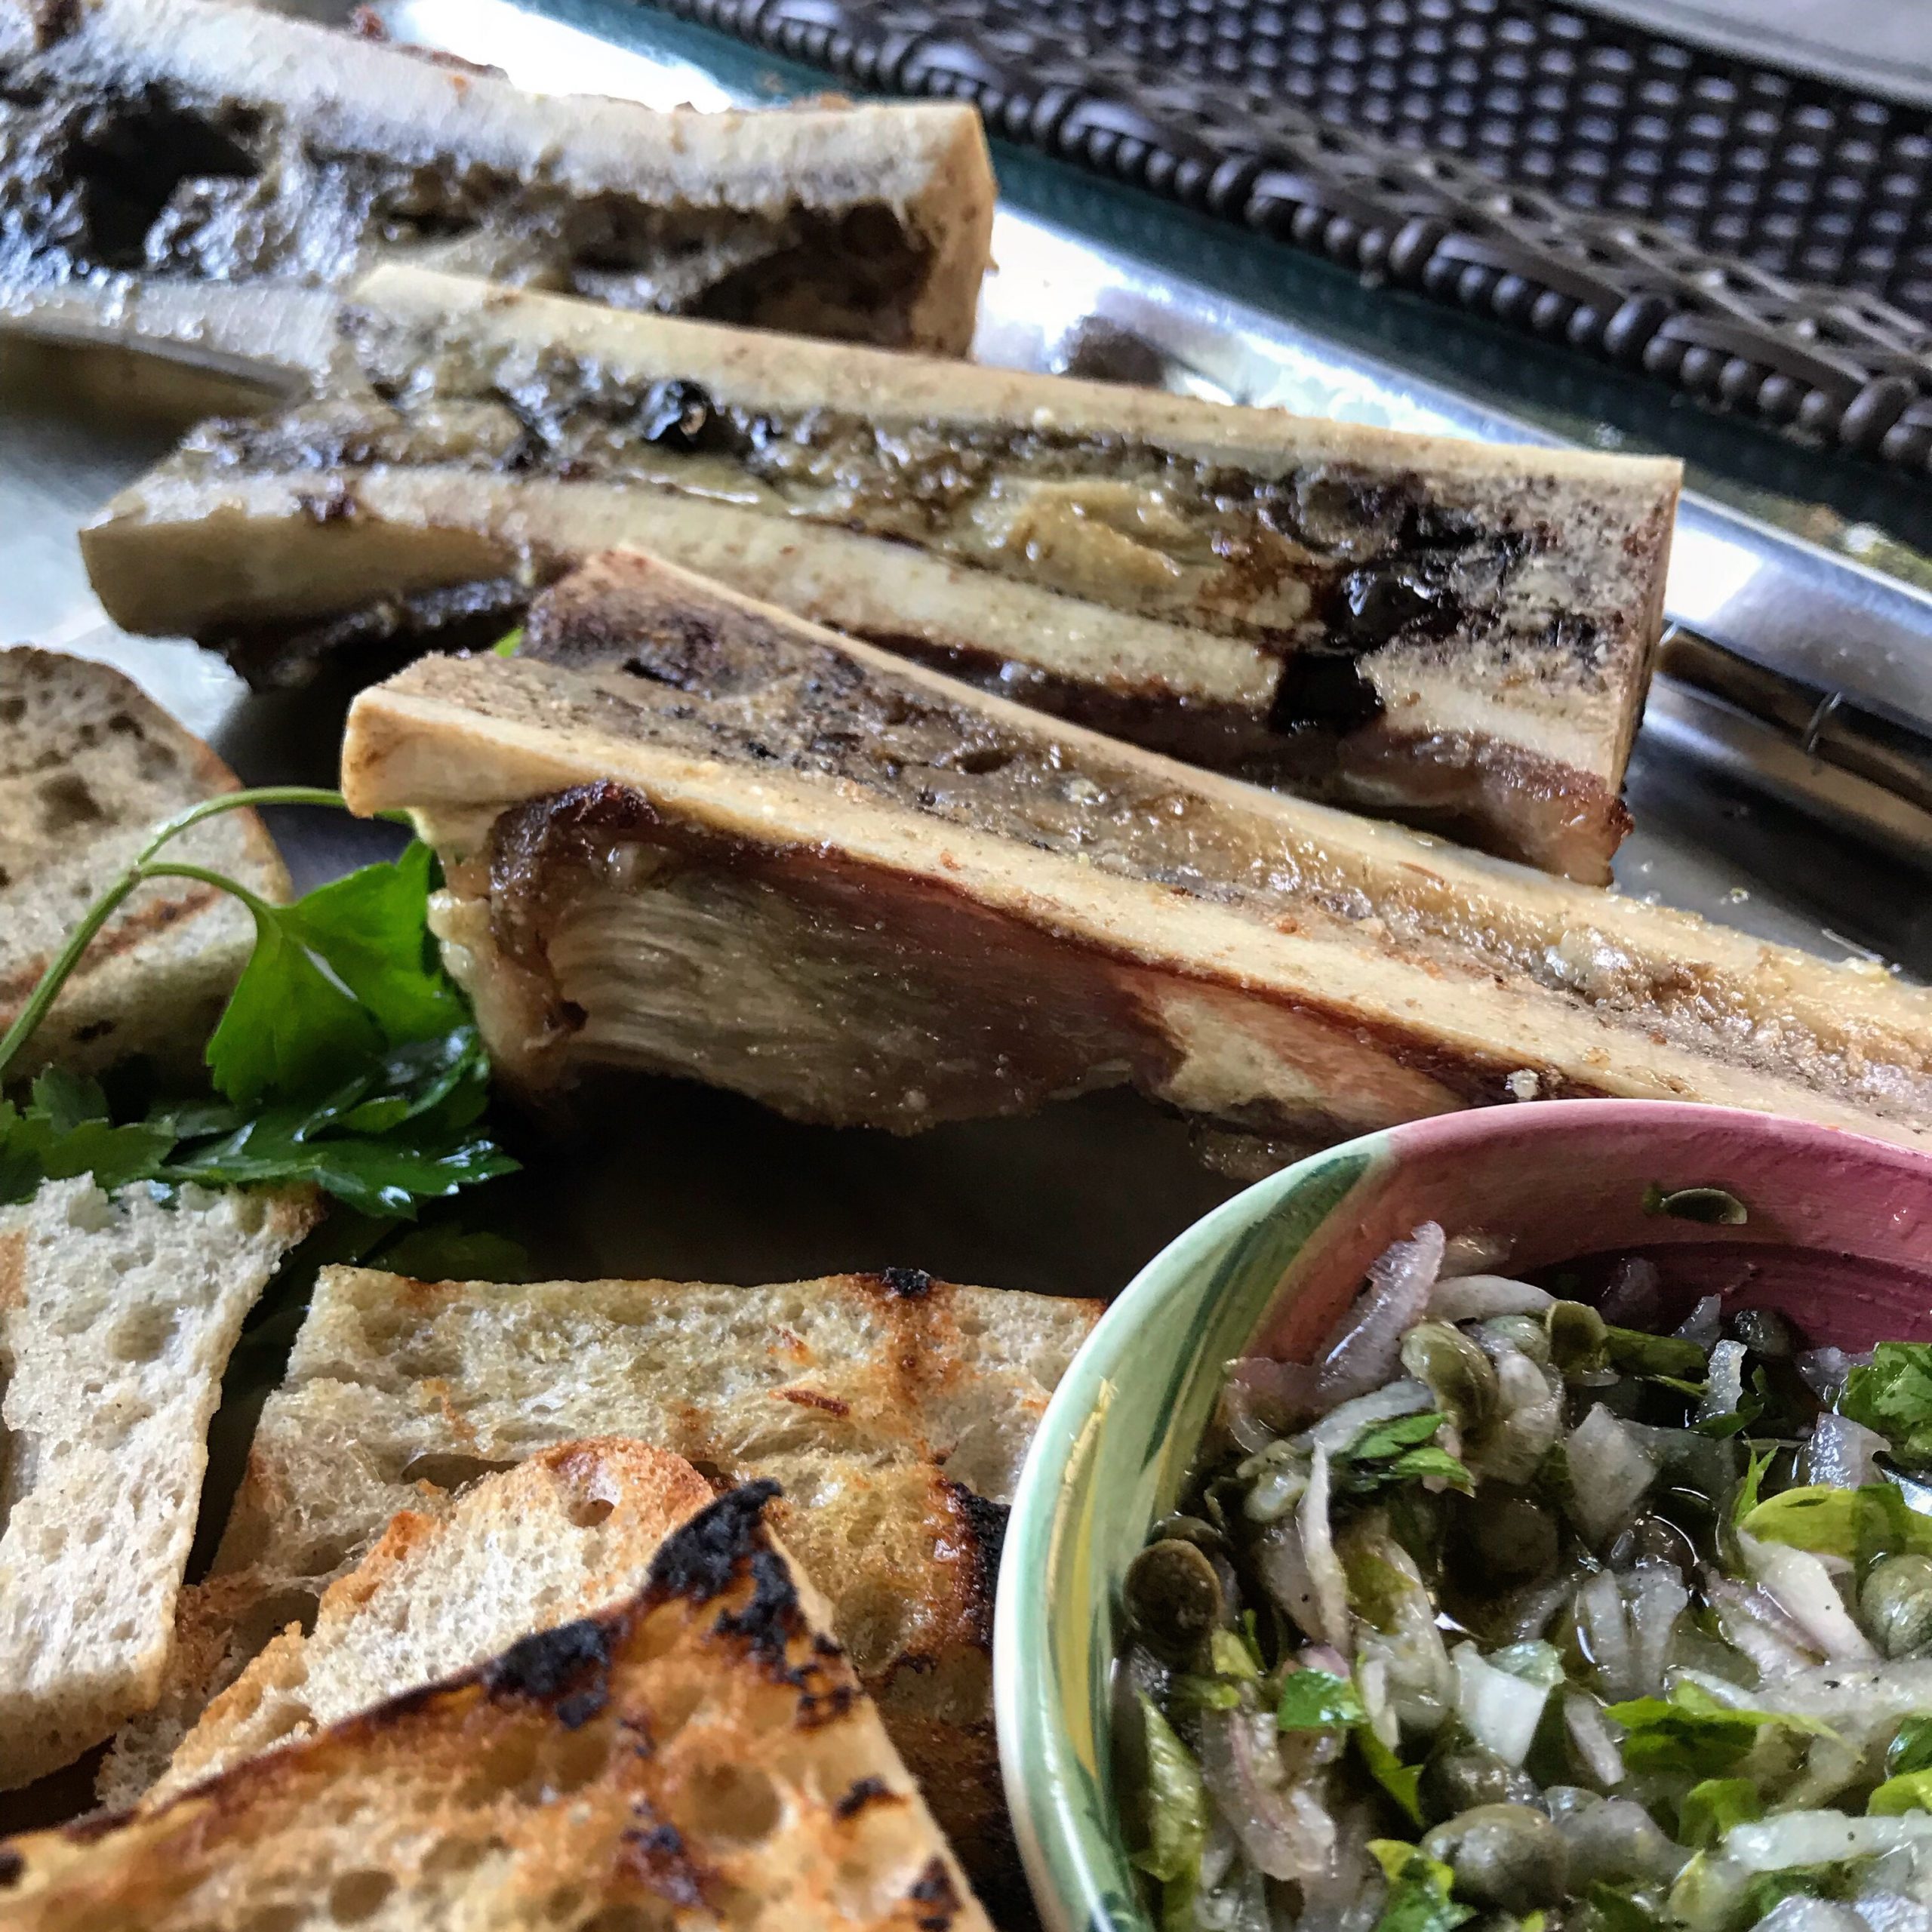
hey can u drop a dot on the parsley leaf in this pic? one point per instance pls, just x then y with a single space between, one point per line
1318 1700
1911 1747
1691 1731
1894 1395
1401 1450
1859 1524
1403 1783
345 1057
1419 1899
1710 1808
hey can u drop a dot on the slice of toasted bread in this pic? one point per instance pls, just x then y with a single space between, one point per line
895 1409
89 767
571 1532
117 1317
702 1755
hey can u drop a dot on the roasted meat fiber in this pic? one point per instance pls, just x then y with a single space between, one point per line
1454 634
197 177
690 834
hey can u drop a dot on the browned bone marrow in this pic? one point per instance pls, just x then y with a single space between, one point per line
196 177
1456 635
688 833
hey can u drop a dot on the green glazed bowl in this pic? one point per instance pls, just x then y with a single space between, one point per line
1839 1236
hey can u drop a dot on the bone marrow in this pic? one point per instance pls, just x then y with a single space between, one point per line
200 148
685 833
1456 635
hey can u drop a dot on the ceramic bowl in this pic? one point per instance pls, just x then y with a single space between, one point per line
1839 1236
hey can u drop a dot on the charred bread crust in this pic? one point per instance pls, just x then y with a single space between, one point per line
673 1748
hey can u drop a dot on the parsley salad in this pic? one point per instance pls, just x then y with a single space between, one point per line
1518 1610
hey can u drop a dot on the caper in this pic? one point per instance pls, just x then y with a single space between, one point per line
1509 1856
1196 1530
1576 1332
1515 1537
1459 1376
1173 1598
1897 1601
1765 1332
1460 1775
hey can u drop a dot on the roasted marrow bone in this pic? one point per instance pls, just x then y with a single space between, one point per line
1431 628
688 833
193 175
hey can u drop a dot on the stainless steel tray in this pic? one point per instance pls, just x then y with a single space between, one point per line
1735 820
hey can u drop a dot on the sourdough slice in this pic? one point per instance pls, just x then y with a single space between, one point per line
1419 626
196 177
89 767
117 1317
702 1755
568 1533
895 1411
751 852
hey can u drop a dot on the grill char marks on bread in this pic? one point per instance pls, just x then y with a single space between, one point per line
570 1532
1417 626
89 767
750 851
894 1410
679 1760
196 177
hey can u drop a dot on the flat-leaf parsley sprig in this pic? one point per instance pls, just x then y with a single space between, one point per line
345 1056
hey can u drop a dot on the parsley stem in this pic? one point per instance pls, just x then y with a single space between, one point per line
220 882
27 1022
229 801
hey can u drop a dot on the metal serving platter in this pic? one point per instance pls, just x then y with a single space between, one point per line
1737 819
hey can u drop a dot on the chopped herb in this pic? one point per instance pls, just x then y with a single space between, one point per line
1657 1356
1758 1461
1911 1747
1691 1731
1894 1395
1233 1657
1857 1523
1403 1783
1318 1700
1710 1809
1401 1449
1176 1818
1910 1791
1419 1897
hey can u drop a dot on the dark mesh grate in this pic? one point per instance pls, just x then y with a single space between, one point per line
1762 241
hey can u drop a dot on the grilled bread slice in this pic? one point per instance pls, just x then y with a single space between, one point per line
755 853
701 1755
894 1409
571 1531
117 1317
89 767
1459 634
195 176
